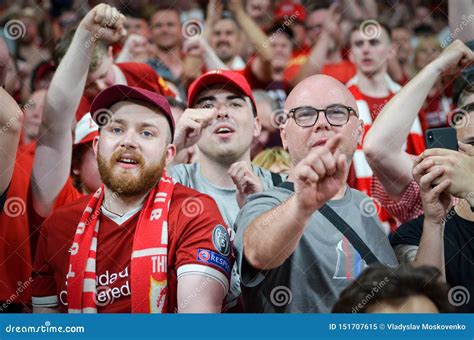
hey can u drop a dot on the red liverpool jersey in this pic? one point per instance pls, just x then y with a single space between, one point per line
191 249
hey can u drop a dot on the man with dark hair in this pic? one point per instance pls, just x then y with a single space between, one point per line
222 123
405 289
136 25
166 36
225 39
272 52
372 88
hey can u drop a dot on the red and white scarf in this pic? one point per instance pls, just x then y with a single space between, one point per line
150 245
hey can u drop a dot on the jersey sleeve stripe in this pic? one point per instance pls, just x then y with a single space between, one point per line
206 271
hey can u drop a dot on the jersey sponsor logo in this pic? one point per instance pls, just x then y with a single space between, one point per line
109 287
210 257
221 240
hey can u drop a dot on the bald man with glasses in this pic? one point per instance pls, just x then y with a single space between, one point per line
291 258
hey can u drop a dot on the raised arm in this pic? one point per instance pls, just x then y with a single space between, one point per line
261 66
383 144
319 52
200 49
52 163
272 237
194 50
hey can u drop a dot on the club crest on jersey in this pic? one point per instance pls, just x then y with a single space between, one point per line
158 291
221 240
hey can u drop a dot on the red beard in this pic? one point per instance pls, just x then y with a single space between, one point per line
123 181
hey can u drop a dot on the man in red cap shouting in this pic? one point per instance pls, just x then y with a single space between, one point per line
131 246
222 122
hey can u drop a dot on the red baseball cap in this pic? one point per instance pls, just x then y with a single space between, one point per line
223 77
117 93
286 10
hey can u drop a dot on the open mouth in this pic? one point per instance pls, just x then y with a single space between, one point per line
224 131
127 162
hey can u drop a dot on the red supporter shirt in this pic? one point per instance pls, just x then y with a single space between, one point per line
360 175
407 208
67 195
297 60
18 224
189 236
343 71
15 254
136 74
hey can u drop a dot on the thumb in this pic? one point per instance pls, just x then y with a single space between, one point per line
466 148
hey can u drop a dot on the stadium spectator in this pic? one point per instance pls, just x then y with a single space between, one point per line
372 88
222 123
280 230
158 257
65 97
440 173
166 36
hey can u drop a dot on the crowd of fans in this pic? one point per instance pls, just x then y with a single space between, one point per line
236 156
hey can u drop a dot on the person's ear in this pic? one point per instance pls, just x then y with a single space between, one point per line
283 135
257 127
170 153
95 145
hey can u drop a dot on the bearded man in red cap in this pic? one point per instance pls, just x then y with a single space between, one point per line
131 246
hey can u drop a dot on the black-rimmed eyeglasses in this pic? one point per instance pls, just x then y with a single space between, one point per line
307 116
